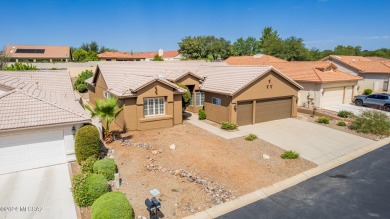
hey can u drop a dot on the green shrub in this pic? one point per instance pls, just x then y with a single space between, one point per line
372 121
87 165
367 92
106 167
202 115
250 137
113 205
79 84
289 155
19 66
87 143
88 187
186 96
324 120
228 126
344 114
341 123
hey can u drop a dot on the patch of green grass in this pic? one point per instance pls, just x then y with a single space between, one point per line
324 120
250 137
289 155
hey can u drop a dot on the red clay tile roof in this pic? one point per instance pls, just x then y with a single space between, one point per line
253 60
59 52
166 54
363 64
313 71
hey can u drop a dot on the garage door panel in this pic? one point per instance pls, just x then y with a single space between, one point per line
267 110
31 150
348 95
332 96
244 113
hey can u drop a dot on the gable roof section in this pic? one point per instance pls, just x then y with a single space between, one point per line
259 59
363 64
314 71
230 80
62 52
28 105
119 55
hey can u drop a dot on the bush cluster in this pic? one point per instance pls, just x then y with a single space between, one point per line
372 121
324 120
87 143
87 165
19 66
341 123
289 155
79 84
250 137
367 92
344 114
88 187
228 126
113 205
105 167
202 115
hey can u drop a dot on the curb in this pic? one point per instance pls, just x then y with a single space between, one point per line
257 195
78 210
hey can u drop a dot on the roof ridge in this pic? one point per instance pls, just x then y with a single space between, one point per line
314 69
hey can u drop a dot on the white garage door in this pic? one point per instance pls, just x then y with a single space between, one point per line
32 150
332 96
348 95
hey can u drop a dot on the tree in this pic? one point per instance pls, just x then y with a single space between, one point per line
79 55
94 47
106 110
348 50
157 58
248 46
4 58
205 47
294 49
271 43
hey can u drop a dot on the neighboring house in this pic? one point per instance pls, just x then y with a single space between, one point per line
39 115
167 55
374 70
28 53
151 98
120 56
323 84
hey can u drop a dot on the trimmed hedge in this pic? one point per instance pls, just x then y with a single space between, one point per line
113 205
202 115
87 165
88 187
87 143
105 167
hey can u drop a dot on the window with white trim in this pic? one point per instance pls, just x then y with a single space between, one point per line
106 94
154 106
199 98
216 101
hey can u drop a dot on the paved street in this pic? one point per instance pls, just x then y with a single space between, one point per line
46 191
357 189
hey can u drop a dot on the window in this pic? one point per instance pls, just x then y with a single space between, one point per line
199 98
217 101
372 97
192 99
106 94
154 106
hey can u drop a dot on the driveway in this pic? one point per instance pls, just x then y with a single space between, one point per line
37 193
357 189
357 110
313 142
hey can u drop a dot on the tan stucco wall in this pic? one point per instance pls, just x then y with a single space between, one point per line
191 80
217 113
75 71
97 92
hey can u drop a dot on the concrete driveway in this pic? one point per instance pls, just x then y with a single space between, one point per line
37 193
357 110
313 142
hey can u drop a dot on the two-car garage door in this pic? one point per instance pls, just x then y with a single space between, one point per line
336 96
265 110
31 150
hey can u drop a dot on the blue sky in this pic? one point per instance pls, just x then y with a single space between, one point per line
130 25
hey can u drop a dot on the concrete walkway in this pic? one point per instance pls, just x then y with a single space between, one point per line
37 193
357 110
313 142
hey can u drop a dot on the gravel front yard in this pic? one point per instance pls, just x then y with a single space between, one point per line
203 170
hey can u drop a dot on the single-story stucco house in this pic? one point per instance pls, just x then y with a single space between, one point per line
38 53
39 115
152 99
375 71
323 83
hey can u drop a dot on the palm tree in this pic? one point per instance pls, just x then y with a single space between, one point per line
107 110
